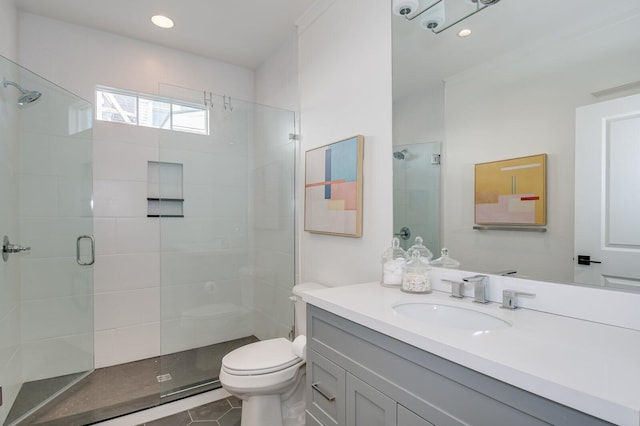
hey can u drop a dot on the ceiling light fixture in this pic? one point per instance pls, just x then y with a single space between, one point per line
162 21
434 14
465 32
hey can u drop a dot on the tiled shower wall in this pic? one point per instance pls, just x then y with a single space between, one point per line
127 268
169 284
10 367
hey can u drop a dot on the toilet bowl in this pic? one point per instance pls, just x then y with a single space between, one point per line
269 376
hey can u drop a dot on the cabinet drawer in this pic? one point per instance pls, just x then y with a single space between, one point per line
325 390
409 418
366 406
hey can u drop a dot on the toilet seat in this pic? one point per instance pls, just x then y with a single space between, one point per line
264 357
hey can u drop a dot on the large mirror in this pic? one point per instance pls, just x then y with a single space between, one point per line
560 78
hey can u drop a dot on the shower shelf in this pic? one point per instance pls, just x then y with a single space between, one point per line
165 207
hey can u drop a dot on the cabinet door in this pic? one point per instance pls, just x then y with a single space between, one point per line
367 406
325 390
409 418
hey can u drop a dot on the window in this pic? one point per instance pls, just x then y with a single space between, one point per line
138 109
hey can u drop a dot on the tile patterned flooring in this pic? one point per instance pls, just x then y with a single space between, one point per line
225 412
115 391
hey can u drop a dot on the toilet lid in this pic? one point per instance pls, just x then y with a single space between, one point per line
262 357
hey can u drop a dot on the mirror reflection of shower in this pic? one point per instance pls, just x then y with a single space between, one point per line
401 155
416 194
27 96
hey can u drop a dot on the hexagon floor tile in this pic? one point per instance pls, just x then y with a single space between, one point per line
225 412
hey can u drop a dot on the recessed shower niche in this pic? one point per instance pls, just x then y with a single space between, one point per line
164 189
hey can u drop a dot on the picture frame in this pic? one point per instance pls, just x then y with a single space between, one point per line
333 188
511 192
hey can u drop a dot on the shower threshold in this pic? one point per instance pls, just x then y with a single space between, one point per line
122 389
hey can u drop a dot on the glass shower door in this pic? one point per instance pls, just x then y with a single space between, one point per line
227 264
46 321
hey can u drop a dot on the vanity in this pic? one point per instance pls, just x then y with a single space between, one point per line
377 356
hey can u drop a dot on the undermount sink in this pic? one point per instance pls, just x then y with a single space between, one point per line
449 316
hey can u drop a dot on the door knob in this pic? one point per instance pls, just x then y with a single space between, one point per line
586 260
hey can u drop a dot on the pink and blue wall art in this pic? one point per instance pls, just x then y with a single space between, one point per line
333 188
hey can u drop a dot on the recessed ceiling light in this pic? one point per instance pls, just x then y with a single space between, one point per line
162 21
466 32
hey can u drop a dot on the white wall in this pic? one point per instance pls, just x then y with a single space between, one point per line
273 173
345 90
419 118
8 29
127 300
78 58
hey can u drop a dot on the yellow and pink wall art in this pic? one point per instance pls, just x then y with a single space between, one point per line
511 192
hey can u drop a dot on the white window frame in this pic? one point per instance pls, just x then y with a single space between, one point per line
137 95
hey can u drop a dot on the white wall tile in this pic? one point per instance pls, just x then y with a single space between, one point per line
105 234
122 161
126 344
52 277
119 198
126 271
61 316
38 195
137 235
43 359
126 308
123 133
74 196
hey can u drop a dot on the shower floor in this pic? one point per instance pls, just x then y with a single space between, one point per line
126 388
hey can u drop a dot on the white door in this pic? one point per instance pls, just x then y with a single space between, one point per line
607 209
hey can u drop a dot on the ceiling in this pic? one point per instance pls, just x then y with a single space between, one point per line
421 57
243 32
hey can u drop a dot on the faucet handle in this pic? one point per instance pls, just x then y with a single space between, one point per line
457 288
510 298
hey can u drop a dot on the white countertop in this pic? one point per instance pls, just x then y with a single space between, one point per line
591 367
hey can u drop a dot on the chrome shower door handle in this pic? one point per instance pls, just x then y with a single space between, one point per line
93 250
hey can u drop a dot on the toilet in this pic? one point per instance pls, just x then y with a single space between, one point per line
269 376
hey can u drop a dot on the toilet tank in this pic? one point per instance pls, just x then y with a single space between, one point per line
300 308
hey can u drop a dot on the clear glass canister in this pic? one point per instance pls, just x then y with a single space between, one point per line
416 275
418 245
393 261
445 261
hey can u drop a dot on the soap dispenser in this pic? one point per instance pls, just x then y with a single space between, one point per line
416 275
445 261
418 246
393 262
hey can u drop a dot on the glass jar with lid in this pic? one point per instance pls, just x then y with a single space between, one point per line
393 262
418 245
416 275
445 261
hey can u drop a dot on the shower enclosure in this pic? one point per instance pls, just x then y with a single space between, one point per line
416 194
225 201
46 279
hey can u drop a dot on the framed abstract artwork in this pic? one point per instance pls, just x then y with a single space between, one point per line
511 192
333 188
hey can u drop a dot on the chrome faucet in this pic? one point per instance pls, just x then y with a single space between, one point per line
457 288
510 298
480 287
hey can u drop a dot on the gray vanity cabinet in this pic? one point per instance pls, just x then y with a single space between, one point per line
359 377
337 397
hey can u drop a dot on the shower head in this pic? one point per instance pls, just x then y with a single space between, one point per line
401 155
27 97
